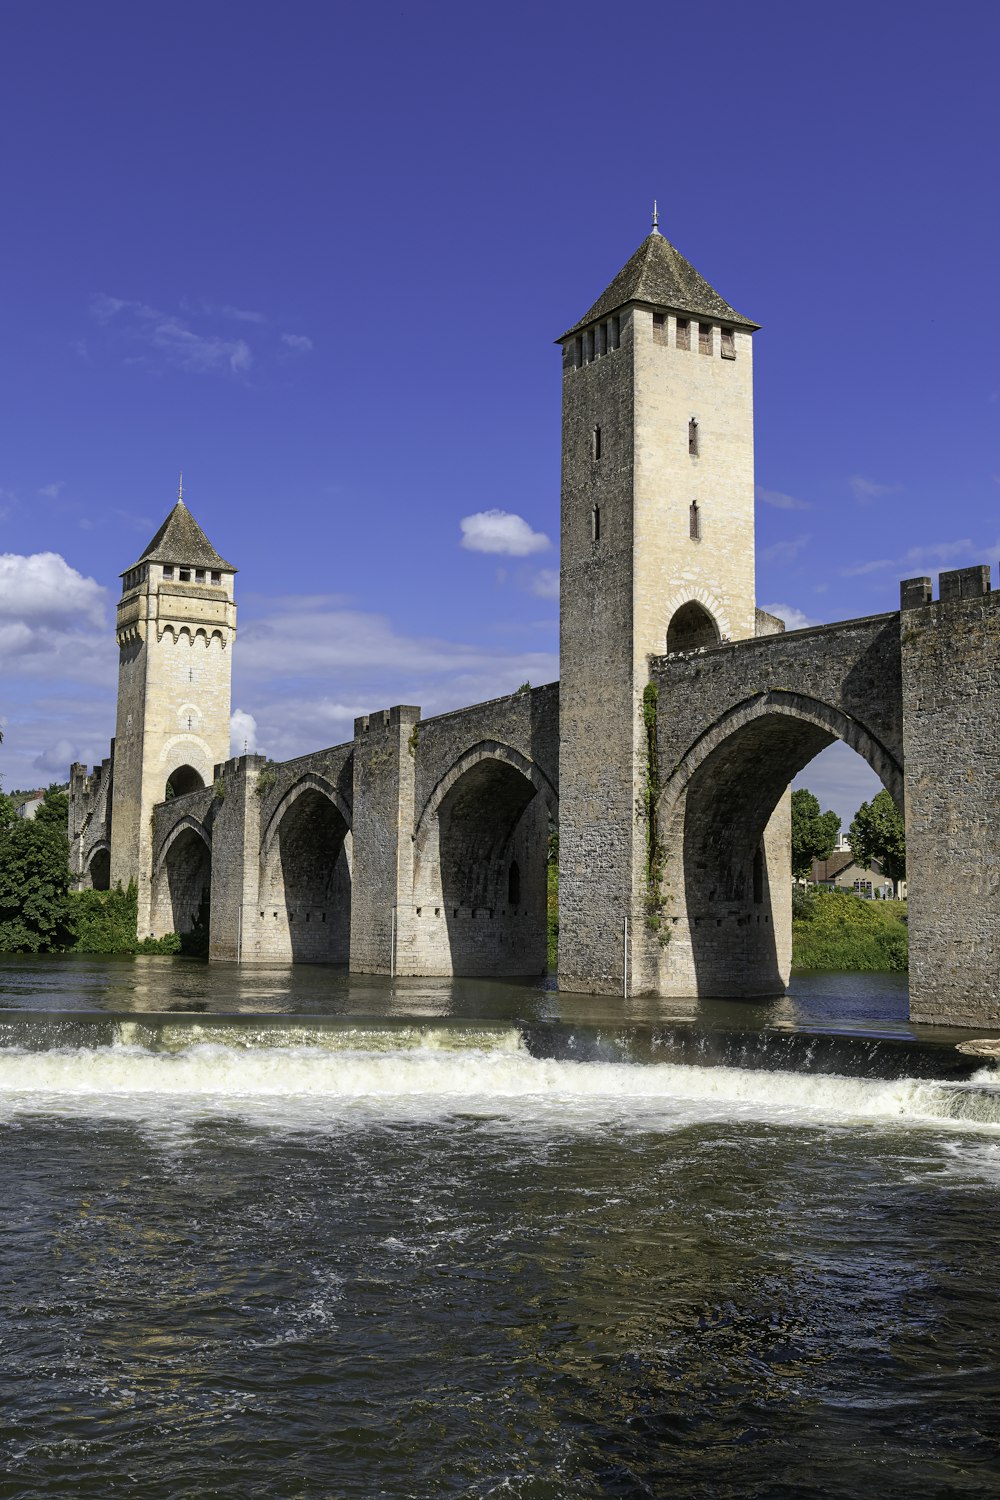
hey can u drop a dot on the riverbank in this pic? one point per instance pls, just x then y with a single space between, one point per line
836 930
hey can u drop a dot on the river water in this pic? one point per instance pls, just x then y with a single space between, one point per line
291 1234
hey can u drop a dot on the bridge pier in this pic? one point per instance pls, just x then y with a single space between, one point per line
951 732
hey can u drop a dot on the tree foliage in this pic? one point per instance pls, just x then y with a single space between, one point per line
878 832
814 833
34 877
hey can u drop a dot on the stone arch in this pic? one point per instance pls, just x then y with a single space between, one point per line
182 780
480 865
98 872
707 601
182 880
305 876
691 628
723 827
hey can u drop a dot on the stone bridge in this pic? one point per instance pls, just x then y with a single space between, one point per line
420 846
915 694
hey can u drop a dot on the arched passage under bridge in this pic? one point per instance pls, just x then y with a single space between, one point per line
480 875
305 876
182 881
724 830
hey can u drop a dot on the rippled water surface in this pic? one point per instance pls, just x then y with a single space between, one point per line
293 1235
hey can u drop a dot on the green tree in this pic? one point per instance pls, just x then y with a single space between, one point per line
34 877
814 833
878 832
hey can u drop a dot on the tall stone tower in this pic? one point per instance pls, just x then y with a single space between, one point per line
176 626
657 538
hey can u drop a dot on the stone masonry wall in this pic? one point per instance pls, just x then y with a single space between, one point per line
951 702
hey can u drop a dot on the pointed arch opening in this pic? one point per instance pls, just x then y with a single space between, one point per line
305 888
183 780
691 628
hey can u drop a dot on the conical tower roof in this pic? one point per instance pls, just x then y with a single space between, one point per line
180 540
659 276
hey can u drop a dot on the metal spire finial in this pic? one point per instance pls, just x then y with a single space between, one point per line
656 219
180 488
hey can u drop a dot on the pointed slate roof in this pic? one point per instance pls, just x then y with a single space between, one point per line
181 540
659 276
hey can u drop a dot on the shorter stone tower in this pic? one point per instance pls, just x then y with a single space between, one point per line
176 626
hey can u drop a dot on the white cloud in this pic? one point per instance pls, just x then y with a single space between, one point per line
242 733
786 551
866 490
546 583
794 618
781 501
297 342
171 339
501 531
52 491
305 673
44 589
931 556
237 314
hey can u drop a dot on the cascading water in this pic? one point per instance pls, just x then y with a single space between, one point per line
470 1244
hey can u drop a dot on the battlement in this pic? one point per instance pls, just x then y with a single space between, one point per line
957 583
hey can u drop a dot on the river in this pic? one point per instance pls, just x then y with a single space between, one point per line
294 1234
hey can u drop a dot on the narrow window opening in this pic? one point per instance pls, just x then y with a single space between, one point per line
185 575
693 437
601 336
168 571
216 577
704 338
588 346
595 524
614 333
728 344
514 885
578 351
694 521
758 876
659 328
199 575
596 442
683 333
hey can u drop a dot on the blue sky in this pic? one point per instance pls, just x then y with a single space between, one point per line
315 255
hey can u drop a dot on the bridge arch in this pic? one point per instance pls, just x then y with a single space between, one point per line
98 871
480 865
182 880
305 875
723 827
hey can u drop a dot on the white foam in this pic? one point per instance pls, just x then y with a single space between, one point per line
502 1078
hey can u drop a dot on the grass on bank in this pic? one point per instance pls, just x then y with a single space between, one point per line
837 930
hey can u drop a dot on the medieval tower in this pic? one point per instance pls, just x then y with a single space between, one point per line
176 626
657 555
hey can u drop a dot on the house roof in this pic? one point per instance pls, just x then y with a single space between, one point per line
181 540
841 860
659 276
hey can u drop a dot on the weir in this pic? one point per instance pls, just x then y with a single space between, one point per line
659 763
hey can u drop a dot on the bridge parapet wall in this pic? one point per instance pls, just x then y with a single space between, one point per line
951 714
89 818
